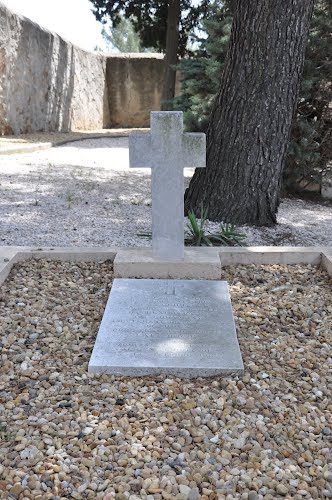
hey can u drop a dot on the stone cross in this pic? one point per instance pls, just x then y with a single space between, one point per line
167 151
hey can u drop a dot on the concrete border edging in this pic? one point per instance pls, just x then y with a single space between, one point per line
272 255
326 261
25 148
38 146
12 255
199 262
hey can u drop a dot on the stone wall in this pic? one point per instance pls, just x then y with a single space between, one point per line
46 83
134 86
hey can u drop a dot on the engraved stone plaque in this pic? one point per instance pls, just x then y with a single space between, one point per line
183 328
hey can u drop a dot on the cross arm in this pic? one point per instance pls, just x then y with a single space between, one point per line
140 150
193 150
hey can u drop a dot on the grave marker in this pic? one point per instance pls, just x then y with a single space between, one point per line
167 151
183 328
180 327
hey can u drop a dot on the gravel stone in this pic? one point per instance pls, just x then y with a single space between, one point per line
83 194
65 433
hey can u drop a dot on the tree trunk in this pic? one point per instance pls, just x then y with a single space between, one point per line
250 123
171 55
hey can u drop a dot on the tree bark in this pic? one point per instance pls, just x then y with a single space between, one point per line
171 54
251 119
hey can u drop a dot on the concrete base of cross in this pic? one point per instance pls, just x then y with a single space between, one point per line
198 263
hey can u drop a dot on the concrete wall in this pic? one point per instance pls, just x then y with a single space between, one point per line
46 83
134 87
326 188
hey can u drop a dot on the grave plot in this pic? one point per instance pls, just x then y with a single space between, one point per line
65 432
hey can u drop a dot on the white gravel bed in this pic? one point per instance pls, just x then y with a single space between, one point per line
67 434
83 194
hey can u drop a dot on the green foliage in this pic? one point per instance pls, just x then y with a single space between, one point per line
200 75
147 236
149 19
227 234
123 37
70 200
197 236
310 146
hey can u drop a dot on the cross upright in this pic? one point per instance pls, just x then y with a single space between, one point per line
167 151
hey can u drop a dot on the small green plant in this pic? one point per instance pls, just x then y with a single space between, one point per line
147 236
197 236
38 190
227 235
70 199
